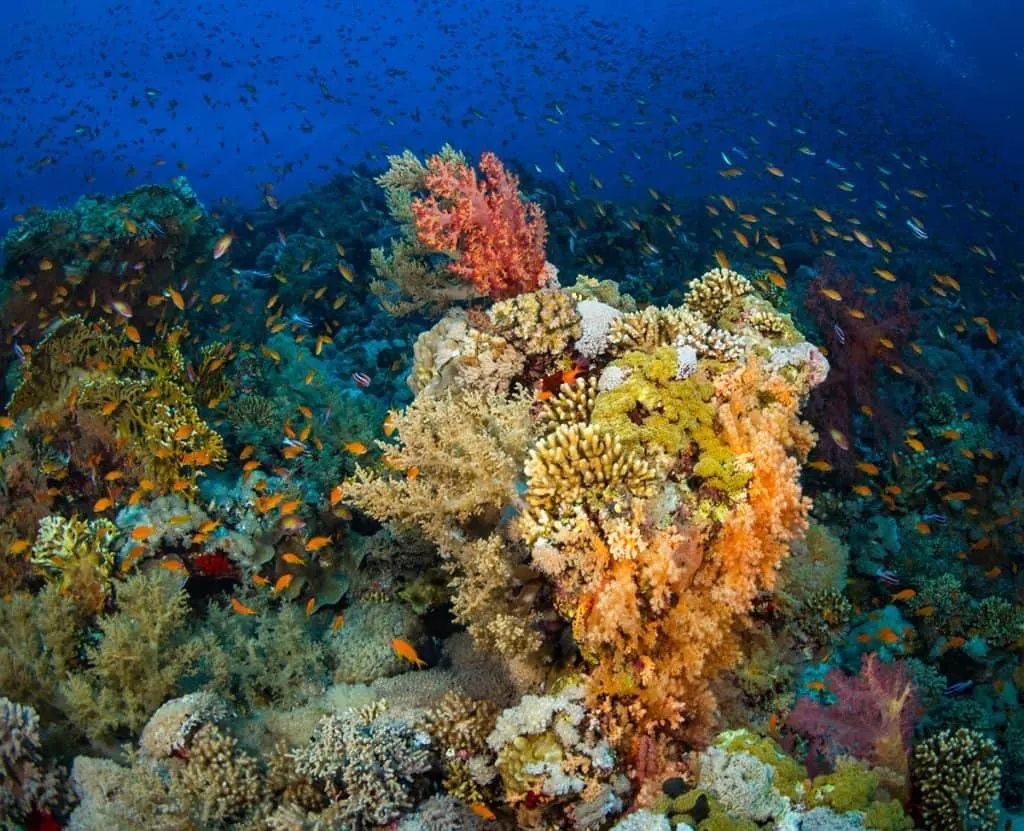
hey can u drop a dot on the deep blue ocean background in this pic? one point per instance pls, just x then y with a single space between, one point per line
100 97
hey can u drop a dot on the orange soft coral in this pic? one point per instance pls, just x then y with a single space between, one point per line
659 599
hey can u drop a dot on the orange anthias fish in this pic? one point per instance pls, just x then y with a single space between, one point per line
408 651
222 245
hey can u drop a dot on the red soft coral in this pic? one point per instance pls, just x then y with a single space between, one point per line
497 239
872 719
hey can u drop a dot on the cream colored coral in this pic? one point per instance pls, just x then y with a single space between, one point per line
768 323
578 461
542 322
572 405
652 328
715 290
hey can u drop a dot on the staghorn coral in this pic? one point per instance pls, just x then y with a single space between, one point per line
224 782
956 780
370 767
28 783
460 723
541 322
651 328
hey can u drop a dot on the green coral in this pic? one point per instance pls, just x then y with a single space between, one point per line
854 787
789 774
654 410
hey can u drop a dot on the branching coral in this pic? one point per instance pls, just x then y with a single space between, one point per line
956 779
537 323
28 784
369 764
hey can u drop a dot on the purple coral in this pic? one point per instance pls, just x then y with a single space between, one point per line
872 718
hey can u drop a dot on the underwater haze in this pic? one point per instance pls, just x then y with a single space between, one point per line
429 416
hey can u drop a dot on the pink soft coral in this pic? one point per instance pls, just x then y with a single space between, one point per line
872 719
497 239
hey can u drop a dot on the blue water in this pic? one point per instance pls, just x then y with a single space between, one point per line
101 96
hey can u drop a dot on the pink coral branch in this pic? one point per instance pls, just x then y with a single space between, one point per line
496 238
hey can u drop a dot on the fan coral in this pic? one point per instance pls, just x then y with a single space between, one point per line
872 719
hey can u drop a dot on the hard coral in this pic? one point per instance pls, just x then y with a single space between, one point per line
956 780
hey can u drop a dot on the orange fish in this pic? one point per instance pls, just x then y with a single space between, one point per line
310 604
283 582
222 245
408 651
819 686
316 543
841 441
143 532
102 504
19 546
906 594
183 432
820 465
915 444
339 621
294 559
242 610
832 294
923 528
961 383
868 468
174 565
886 635
356 448
482 811
885 274
861 490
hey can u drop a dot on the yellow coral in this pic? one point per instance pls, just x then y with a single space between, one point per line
573 404
78 554
579 462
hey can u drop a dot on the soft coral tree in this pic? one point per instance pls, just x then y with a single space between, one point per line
872 717
496 237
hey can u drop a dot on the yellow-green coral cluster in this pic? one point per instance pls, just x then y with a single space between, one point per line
542 322
652 408
78 554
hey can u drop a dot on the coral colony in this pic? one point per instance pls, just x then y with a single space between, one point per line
483 543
